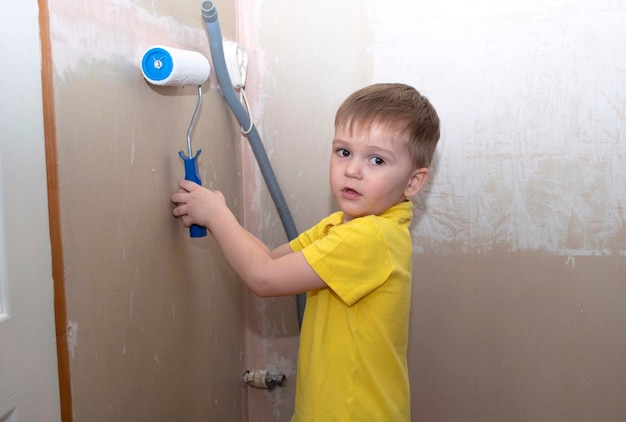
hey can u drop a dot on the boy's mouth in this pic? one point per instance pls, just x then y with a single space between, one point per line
348 193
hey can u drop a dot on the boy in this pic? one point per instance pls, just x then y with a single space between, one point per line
355 265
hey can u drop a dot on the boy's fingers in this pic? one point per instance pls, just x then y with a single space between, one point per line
187 185
177 197
178 211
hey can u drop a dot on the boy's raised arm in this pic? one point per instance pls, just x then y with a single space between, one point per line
278 273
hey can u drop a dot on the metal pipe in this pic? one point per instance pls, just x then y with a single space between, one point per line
209 14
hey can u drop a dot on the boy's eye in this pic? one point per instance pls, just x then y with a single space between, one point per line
343 152
377 161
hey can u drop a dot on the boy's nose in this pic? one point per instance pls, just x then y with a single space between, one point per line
353 169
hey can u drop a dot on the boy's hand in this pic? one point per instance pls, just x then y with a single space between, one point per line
196 204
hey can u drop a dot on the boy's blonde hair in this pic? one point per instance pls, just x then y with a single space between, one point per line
399 107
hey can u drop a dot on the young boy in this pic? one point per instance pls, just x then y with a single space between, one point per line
355 265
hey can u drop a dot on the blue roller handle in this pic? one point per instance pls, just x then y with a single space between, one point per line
191 173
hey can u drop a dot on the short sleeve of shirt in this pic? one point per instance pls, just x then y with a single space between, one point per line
351 258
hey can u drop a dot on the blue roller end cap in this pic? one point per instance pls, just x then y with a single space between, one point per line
157 64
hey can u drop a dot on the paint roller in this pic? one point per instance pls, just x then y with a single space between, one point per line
167 66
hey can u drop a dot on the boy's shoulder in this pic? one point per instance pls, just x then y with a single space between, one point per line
399 214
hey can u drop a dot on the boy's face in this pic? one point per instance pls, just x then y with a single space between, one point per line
371 170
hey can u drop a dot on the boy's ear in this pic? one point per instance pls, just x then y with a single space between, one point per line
416 182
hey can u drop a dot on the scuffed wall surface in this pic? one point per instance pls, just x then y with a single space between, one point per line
533 99
155 318
519 236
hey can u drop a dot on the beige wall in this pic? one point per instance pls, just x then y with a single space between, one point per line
518 337
155 318
519 242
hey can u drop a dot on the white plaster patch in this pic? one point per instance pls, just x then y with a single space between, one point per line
249 13
280 365
132 151
532 98
87 34
72 337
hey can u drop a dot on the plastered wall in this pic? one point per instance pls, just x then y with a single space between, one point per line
519 242
155 319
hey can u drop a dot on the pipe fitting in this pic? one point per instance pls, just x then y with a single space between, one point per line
208 11
262 378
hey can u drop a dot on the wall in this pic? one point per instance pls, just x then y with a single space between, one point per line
155 318
519 237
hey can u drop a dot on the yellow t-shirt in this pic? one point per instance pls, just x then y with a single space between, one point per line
352 363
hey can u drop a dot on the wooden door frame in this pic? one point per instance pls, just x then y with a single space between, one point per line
54 212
